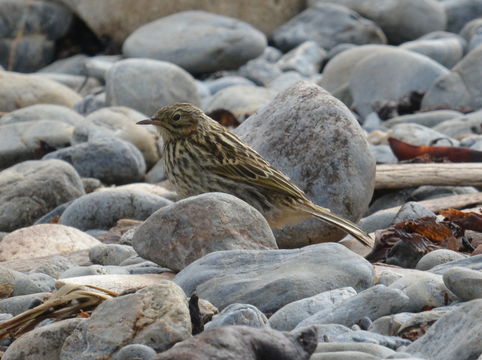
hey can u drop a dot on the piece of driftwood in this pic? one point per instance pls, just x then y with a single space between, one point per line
399 176
446 202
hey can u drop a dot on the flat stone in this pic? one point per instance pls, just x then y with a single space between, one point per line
44 240
465 283
193 39
274 278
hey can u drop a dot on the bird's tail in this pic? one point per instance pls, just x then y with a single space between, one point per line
344 224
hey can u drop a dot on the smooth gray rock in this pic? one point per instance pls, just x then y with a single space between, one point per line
187 230
456 335
424 289
72 65
465 283
98 66
290 315
32 283
241 100
371 349
156 316
377 221
145 85
417 135
18 304
437 257
373 303
239 314
460 88
445 48
42 343
328 25
81 84
25 195
80 271
472 33
460 12
42 112
54 266
244 343
285 80
101 210
462 126
197 41
109 159
391 74
400 20
291 133
26 140
260 71
428 118
383 154
306 59
214 85
472 262
135 351
121 121
427 192
110 254
274 278
91 103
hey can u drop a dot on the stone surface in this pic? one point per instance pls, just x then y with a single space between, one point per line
295 127
424 290
179 234
239 314
460 12
457 335
400 20
373 303
370 349
437 257
103 17
145 85
121 121
42 112
156 316
328 25
292 314
18 304
241 100
417 135
306 59
274 278
193 39
101 210
244 343
465 283
462 126
445 48
43 343
472 262
415 73
14 283
32 188
21 90
428 118
459 89
471 32
135 351
109 159
44 240
110 254
216 84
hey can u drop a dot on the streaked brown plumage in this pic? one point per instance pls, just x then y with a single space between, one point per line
202 156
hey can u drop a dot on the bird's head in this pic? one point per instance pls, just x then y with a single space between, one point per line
176 121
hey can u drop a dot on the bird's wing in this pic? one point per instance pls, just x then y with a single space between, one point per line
242 163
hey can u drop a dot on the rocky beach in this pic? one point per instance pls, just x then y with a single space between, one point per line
373 108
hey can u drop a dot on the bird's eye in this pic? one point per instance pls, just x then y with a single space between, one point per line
176 117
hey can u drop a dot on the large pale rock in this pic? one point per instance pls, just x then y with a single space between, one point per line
43 343
193 39
117 19
41 112
157 316
400 20
21 90
460 88
185 231
328 25
273 278
391 75
32 188
456 335
44 240
244 343
145 85
314 139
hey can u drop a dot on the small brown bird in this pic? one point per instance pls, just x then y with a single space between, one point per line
202 156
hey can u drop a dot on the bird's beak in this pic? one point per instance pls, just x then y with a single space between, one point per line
149 122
